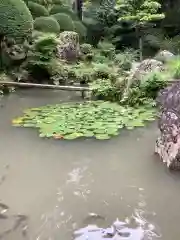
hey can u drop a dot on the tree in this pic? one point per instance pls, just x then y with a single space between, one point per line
16 23
140 13
16 20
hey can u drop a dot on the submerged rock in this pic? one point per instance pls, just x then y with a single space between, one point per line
168 143
68 47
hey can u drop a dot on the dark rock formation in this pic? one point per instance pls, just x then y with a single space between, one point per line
168 143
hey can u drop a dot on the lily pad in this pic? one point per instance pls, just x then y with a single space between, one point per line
98 119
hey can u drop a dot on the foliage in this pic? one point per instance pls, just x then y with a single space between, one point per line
173 67
146 90
81 30
125 59
86 48
37 10
107 49
40 55
95 31
4 89
63 9
140 13
172 44
101 120
88 72
65 21
46 24
105 89
16 20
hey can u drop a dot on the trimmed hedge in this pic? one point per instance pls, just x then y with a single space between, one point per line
46 24
16 20
80 29
65 21
63 9
37 10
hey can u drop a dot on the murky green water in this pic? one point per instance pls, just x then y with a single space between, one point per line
51 188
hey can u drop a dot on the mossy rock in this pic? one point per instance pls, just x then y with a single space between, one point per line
46 24
16 19
65 21
80 29
37 10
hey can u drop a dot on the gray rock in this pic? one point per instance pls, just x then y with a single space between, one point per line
168 143
164 56
68 48
145 67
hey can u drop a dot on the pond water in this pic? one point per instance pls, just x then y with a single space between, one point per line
49 189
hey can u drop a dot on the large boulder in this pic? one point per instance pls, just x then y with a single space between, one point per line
164 56
168 143
68 48
145 67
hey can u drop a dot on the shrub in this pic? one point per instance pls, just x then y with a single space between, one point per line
46 24
63 9
86 48
40 55
80 29
16 20
125 59
147 90
107 49
173 67
65 21
37 10
104 89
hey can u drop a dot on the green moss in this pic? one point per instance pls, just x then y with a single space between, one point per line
80 29
37 10
16 20
46 24
65 21
63 9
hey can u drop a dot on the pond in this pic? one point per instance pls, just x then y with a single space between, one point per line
50 188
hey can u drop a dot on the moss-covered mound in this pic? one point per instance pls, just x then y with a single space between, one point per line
46 24
37 10
65 21
63 9
16 19
80 29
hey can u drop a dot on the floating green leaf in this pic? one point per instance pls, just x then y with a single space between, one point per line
98 119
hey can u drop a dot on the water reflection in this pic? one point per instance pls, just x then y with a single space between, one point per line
98 181
135 227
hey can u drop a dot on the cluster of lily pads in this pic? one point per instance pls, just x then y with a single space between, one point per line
98 119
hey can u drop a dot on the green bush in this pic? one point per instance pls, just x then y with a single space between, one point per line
16 20
37 10
80 29
65 21
40 56
125 59
46 24
95 31
146 91
107 49
86 48
104 89
173 67
63 9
